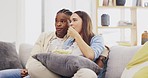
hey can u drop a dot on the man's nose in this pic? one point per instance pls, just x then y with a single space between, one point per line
59 24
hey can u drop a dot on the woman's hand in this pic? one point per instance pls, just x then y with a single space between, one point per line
24 72
72 32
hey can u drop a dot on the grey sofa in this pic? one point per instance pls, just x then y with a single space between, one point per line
118 58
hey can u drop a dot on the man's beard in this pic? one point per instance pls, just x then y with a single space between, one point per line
61 35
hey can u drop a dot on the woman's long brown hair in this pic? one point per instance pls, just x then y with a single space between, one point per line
86 31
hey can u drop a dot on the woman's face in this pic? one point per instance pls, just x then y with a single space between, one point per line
76 22
62 24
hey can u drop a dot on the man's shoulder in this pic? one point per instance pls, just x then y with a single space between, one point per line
48 33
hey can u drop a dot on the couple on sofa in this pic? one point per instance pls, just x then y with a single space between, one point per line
73 30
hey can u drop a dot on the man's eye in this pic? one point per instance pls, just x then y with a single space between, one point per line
63 21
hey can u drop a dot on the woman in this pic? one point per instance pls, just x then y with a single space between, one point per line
85 42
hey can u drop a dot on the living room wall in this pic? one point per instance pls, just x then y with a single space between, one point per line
20 21
8 18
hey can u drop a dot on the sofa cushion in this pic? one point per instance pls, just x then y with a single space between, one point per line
138 65
65 64
8 56
118 58
24 53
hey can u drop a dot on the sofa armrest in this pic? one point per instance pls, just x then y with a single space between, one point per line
119 56
24 52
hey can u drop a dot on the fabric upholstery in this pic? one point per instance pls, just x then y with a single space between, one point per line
24 53
140 57
137 63
118 59
119 56
65 65
85 73
8 56
142 73
130 73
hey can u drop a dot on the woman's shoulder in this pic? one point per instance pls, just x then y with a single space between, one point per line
97 36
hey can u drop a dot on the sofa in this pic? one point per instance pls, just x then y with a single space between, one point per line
119 56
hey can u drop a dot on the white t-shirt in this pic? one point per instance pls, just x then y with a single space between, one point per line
55 44
76 50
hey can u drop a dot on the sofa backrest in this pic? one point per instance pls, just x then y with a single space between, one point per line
24 53
119 56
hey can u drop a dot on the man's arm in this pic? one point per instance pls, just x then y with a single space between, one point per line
34 67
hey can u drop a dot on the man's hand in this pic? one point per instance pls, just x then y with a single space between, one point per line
100 61
24 72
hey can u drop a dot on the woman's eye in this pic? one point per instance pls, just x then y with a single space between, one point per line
74 20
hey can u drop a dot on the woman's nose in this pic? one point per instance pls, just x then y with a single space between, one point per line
70 24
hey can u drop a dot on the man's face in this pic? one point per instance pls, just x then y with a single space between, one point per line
61 24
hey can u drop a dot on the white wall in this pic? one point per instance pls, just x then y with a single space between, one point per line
20 21
8 20
29 21
142 22
33 20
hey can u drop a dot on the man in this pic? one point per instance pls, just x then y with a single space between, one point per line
45 44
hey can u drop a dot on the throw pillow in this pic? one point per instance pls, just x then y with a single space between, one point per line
137 64
8 56
142 73
64 64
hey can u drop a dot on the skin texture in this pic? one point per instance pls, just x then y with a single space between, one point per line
76 23
61 24
24 72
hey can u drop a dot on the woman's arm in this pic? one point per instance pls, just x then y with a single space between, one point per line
96 45
85 49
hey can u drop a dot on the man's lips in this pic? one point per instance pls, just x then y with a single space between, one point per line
59 29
